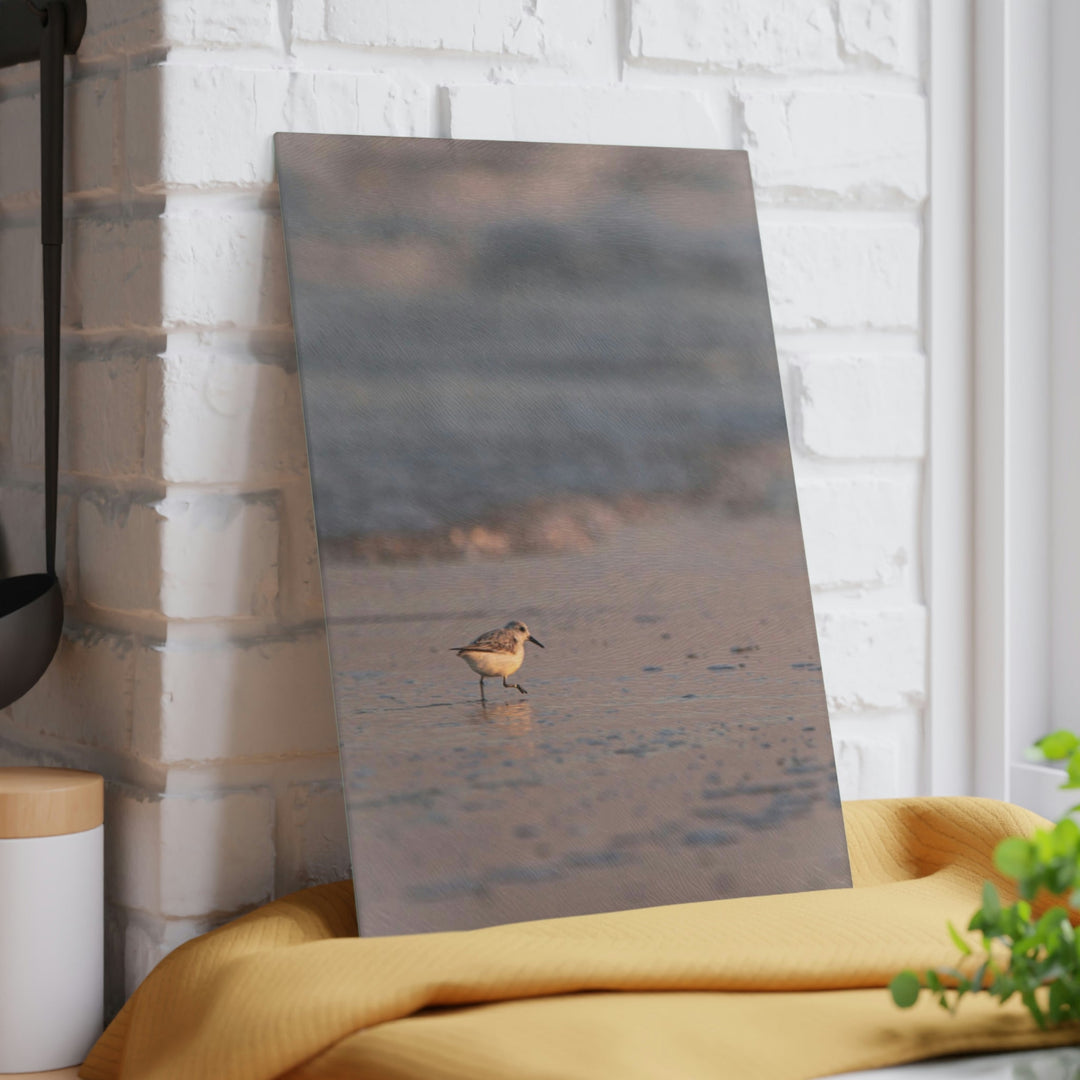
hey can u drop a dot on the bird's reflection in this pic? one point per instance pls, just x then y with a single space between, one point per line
510 718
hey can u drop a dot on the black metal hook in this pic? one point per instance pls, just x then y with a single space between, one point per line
34 8
31 605
22 24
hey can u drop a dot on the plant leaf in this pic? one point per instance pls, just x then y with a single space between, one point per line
1013 857
1066 836
958 941
905 989
1044 844
1058 1001
1037 960
1033 1007
1057 745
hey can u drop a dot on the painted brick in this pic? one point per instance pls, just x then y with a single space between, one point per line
219 556
117 28
135 27
225 22
235 831
171 110
103 415
22 531
769 35
89 146
216 418
615 114
114 273
215 124
348 102
19 120
187 856
851 407
877 755
119 551
136 943
152 271
572 35
842 275
20 277
578 35
480 26
873 659
862 147
860 531
881 33
102 407
223 268
132 852
86 696
300 599
185 556
312 841
227 700
307 21
27 409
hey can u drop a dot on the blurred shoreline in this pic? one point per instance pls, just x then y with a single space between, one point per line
674 744
749 482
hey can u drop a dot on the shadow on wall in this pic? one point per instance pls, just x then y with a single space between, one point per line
194 634
145 549
82 713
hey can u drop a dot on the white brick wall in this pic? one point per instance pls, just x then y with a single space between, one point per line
857 146
653 116
193 670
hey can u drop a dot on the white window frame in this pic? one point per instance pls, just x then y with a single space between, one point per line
1004 344
949 736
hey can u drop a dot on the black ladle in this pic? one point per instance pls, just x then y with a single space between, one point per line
31 605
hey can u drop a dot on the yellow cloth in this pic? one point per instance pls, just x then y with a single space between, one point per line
762 988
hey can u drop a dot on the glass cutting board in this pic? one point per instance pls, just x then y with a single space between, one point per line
541 391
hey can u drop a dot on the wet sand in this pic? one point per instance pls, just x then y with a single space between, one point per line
673 746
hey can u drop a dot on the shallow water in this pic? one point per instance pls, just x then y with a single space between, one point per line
673 745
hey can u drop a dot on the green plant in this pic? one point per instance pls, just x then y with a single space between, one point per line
1037 959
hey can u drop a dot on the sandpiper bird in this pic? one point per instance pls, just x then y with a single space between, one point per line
498 652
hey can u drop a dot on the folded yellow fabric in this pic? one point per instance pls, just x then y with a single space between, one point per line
785 987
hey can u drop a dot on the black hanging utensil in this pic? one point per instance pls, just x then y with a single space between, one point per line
31 605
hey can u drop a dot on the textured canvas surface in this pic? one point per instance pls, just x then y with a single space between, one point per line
540 387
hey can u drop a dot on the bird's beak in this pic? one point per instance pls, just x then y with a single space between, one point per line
534 641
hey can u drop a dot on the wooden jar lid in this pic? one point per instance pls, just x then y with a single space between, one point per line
49 802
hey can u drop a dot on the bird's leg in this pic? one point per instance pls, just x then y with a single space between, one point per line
514 686
482 698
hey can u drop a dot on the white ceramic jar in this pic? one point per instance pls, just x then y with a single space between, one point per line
51 917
